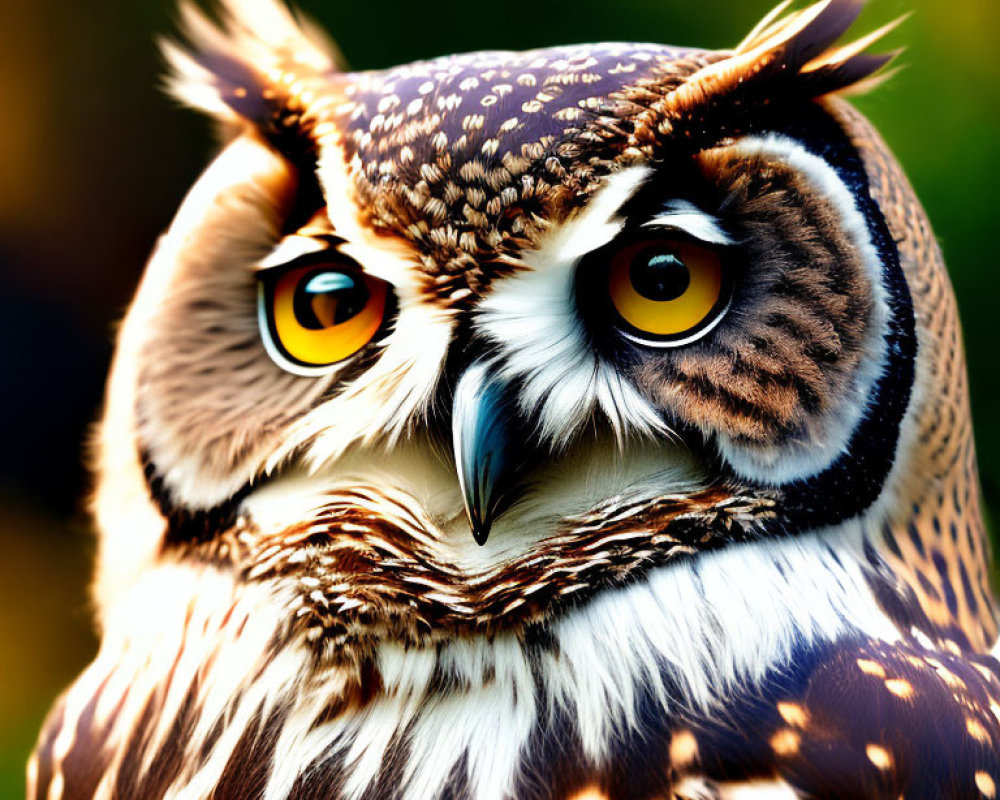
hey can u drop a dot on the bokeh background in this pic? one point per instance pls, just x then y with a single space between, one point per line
94 160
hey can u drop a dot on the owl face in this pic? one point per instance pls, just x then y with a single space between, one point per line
454 344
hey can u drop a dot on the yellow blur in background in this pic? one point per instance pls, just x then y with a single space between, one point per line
94 160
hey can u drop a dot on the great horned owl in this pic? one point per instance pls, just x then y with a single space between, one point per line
588 421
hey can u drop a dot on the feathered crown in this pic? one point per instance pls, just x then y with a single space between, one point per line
265 65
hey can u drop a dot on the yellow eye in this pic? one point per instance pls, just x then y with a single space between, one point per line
667 291
317 315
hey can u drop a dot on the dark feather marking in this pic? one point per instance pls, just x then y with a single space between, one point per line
322 780
83 767
950 598
457 786
250 766
388 783
129 775
970 595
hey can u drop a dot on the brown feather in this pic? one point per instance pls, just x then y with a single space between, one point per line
791 57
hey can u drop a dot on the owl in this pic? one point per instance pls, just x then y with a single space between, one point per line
587 422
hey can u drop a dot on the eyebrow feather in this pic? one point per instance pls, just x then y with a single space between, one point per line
685 216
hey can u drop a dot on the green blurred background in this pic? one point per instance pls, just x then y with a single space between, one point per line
94 160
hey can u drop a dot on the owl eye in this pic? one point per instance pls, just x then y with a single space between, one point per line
316 315
666 291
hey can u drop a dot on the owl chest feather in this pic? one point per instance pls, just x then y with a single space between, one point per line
209 689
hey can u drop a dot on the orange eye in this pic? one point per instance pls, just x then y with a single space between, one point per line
317 315
667 291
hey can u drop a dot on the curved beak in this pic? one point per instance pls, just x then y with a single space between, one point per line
486 456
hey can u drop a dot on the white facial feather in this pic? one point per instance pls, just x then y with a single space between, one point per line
384 403
533 320
683 215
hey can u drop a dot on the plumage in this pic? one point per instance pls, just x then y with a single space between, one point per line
587 422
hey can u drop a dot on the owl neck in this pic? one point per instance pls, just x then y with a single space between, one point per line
928 524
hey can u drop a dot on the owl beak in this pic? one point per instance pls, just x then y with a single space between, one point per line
485 457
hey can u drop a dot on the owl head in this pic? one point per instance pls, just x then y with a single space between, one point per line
450 346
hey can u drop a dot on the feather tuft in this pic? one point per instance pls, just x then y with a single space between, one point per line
252 64
787 55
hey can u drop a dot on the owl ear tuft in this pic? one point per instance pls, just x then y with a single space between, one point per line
252 65
802 43
787 55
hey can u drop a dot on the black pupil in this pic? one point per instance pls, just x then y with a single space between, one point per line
328 297
659 275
